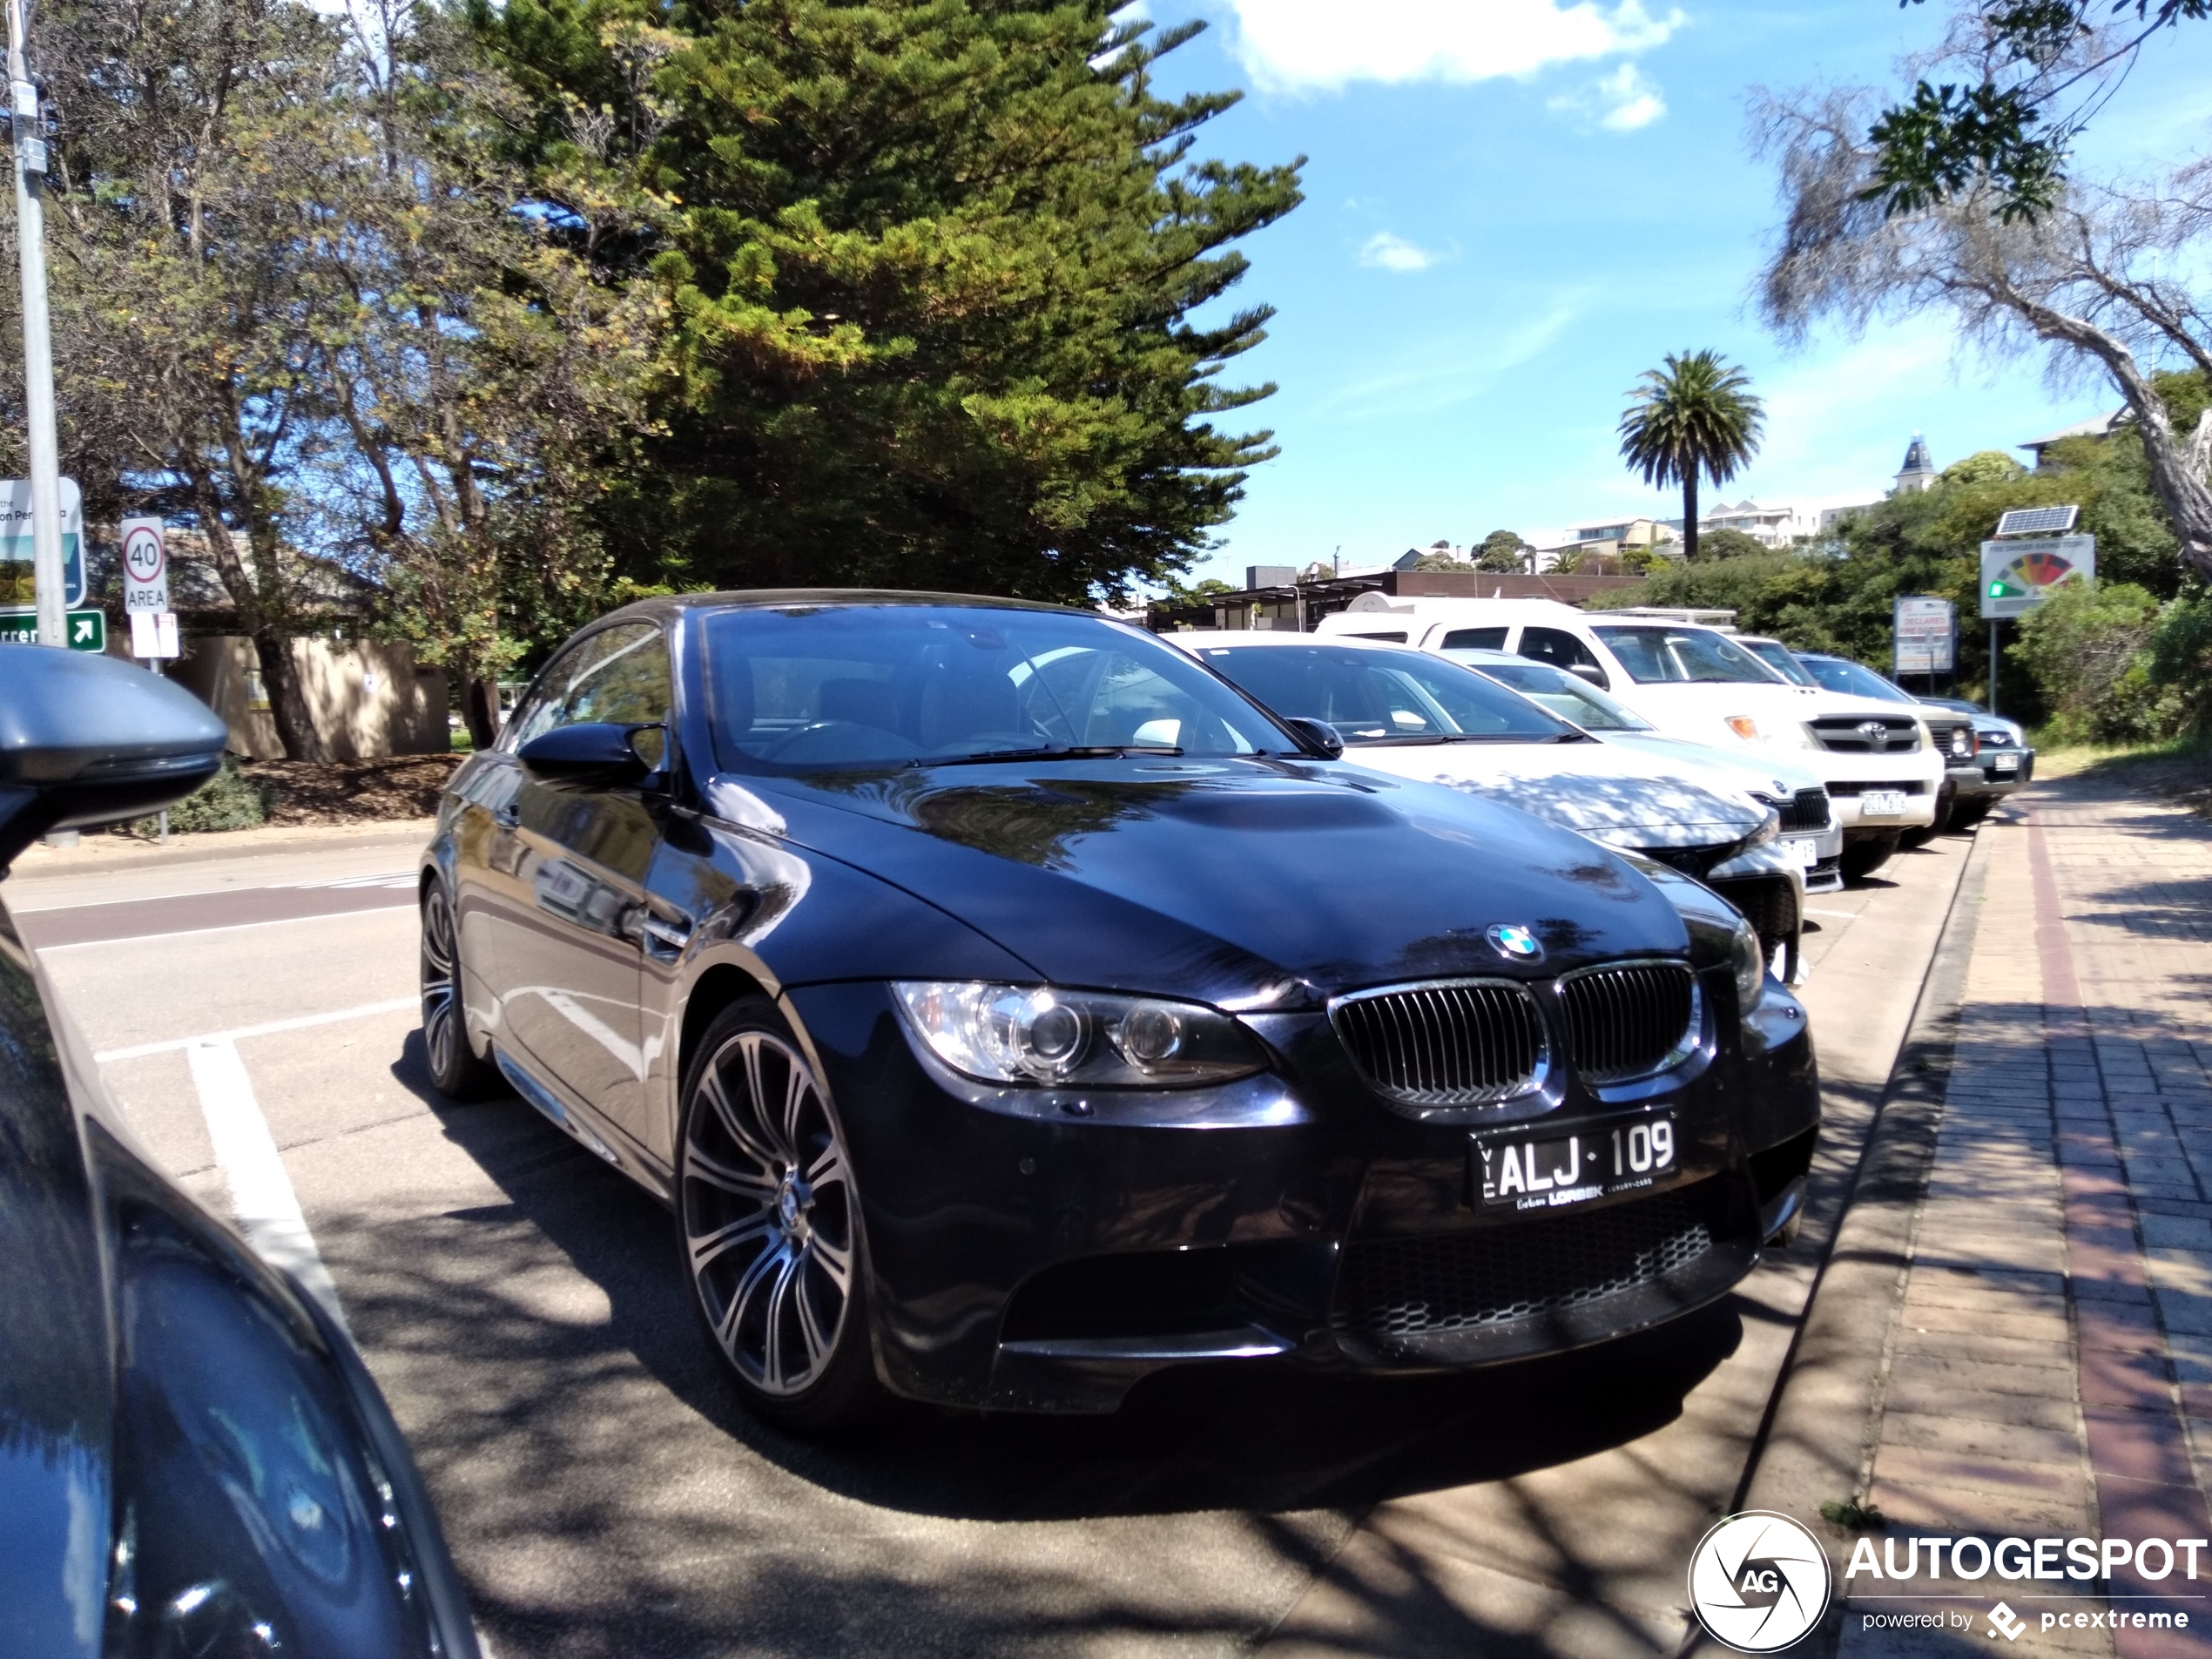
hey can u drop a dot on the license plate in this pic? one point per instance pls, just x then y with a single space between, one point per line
1882 803
2008 763
1542 1170
1805 849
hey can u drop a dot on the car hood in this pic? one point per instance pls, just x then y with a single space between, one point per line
1617 796
1259 881
1766 771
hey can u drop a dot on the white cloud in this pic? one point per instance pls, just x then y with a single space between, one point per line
1310 44
1384 251
1620 102
1443 372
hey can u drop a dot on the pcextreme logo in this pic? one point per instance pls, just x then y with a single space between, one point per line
1759 1581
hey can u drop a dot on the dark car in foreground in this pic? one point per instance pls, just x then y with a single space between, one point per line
193 1460
1007 1007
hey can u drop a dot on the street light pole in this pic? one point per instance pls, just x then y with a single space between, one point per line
37 342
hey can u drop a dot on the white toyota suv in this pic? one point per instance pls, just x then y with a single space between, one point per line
1695 683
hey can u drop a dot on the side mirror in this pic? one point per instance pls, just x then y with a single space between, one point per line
1591 672
87 740
594 752
1318 734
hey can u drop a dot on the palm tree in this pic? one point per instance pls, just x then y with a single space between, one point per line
1694 415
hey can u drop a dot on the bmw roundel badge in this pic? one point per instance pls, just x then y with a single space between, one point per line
1517 942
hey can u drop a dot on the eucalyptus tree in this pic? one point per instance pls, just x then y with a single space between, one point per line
1693 416
2107 281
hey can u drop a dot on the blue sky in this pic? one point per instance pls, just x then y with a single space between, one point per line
1514 207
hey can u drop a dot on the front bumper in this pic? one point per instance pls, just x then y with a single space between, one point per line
1034 1249
1993 784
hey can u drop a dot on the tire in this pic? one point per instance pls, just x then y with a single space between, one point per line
456 1072
769 1229
1944 820
1862 859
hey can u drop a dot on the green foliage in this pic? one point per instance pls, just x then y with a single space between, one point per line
2089 649
2045 69
1983 467
1500 551
1730 544
229 800
1693 415
2181 657
932 268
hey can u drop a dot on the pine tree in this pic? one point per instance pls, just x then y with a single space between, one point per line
931 267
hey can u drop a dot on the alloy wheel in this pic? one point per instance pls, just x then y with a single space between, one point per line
441 1004
769 1224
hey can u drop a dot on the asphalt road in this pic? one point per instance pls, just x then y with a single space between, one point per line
519 1305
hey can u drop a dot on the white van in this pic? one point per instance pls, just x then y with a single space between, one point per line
1694 682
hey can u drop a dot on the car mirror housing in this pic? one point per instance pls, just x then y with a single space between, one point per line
1320 733
592 751
86 740
1591 672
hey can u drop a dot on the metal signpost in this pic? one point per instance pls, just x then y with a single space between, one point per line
47 533
1924 637
2030 556
145 603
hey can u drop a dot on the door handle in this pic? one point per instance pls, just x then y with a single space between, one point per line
663 941
507 817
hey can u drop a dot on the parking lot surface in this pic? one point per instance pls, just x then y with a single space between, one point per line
521 1306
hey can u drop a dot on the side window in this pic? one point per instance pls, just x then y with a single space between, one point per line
1558 648
618 675
1478 639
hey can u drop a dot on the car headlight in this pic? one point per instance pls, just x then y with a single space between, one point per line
1041 1035
1748 957
1744 725
1769 827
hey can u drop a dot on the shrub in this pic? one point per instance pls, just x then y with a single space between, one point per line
2089 649
229 800
2181 656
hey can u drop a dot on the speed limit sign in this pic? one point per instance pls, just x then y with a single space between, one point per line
145 566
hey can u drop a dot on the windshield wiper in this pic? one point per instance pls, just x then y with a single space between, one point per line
1048 751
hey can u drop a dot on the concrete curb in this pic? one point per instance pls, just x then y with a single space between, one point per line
1818 1443
38 864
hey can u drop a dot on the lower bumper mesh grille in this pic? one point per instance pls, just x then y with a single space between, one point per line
1493 1275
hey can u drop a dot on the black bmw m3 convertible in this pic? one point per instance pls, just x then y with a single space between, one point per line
1007 1007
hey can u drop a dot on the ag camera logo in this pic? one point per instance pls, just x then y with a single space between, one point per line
1759 1581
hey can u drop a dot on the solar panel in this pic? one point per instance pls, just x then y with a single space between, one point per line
2037 521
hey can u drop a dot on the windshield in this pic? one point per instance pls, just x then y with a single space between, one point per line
1658 656
1853 679
1777 656
1384 696
845 687
1564 694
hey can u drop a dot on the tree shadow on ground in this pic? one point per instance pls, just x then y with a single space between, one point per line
607 1495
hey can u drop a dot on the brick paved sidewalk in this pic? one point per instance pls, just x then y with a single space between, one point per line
2050 1370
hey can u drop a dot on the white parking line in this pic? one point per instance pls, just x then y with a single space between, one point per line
299 1023
261 1195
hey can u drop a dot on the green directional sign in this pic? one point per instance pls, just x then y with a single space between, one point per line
87 629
